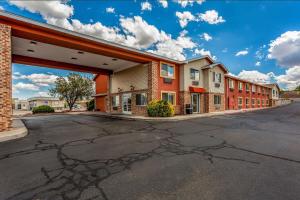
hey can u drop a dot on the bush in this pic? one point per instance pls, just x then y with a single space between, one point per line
160 109
90 105
43 109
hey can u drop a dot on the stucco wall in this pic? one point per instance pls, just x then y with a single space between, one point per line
211 85
135 76
185 72
274 95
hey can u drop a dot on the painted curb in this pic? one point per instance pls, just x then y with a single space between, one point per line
19 130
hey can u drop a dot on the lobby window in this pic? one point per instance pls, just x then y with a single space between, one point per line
267 102
115 101
194 74
167 71
141 99
253 102
240 86
217 99
231 84
217 77
169 97
262 102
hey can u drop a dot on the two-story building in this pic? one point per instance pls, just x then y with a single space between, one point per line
196 83
274 94
243 94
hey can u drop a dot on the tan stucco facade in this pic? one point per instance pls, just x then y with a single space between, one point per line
136 77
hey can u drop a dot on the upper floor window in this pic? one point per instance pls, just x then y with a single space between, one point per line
247 87
258 89
253 88
194 74
231 84
217 77
240 86
167 71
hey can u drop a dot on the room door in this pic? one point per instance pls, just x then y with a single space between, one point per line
126 103
195 101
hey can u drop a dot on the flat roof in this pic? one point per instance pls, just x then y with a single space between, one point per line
89 37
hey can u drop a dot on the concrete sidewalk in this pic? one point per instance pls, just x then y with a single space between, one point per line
18 130
174 118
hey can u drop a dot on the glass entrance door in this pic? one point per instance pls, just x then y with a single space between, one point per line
126 103
195 101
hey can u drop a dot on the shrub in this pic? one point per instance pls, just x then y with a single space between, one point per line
90 105
160 109
43 109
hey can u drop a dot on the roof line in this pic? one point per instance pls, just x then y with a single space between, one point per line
89 37
244 80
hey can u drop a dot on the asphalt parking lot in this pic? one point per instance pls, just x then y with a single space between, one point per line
242 156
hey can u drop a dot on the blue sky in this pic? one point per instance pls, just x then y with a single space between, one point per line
254 39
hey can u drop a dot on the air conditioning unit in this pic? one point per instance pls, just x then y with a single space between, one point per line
217 85
168 80
196 83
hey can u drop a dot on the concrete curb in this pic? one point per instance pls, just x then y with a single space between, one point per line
18 130
175 118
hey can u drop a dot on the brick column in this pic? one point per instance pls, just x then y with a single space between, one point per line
153 81
5 80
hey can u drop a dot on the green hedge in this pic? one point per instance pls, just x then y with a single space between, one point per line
90 105
160 109
43 109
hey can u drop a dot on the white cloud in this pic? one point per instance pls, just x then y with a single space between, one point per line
184 18
140 34
42 94
36 79
225 50
256 76
204 52
24 86
1 8
174 48
211 17
242 53
291 79
286 49
146 6
110 10
164 3
54 12
206 37
185 3
257 63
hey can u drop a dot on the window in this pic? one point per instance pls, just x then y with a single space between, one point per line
240 101
240 86
217 77
253 88
167 71
262 102
115 101
217 99
258 102
247 101
169 97
194 74
141 99
258 89
247 87
267 102
253 102
231 84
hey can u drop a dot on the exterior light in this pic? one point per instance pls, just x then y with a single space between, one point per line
30 50
73 58
33 42
80 52
114 59
105 64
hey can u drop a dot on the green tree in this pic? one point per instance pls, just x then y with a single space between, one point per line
297 88
72 88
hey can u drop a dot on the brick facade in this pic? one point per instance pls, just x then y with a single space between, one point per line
210 105
5 80
153 73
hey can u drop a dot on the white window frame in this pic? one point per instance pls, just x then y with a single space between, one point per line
169 92
217 77
169 66
195 77
240 86
117 101
231 84
240 104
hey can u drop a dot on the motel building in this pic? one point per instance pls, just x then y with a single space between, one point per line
126 79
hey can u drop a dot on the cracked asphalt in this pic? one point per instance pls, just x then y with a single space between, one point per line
242 156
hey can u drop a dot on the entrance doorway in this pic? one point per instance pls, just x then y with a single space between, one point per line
195 101
126 103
